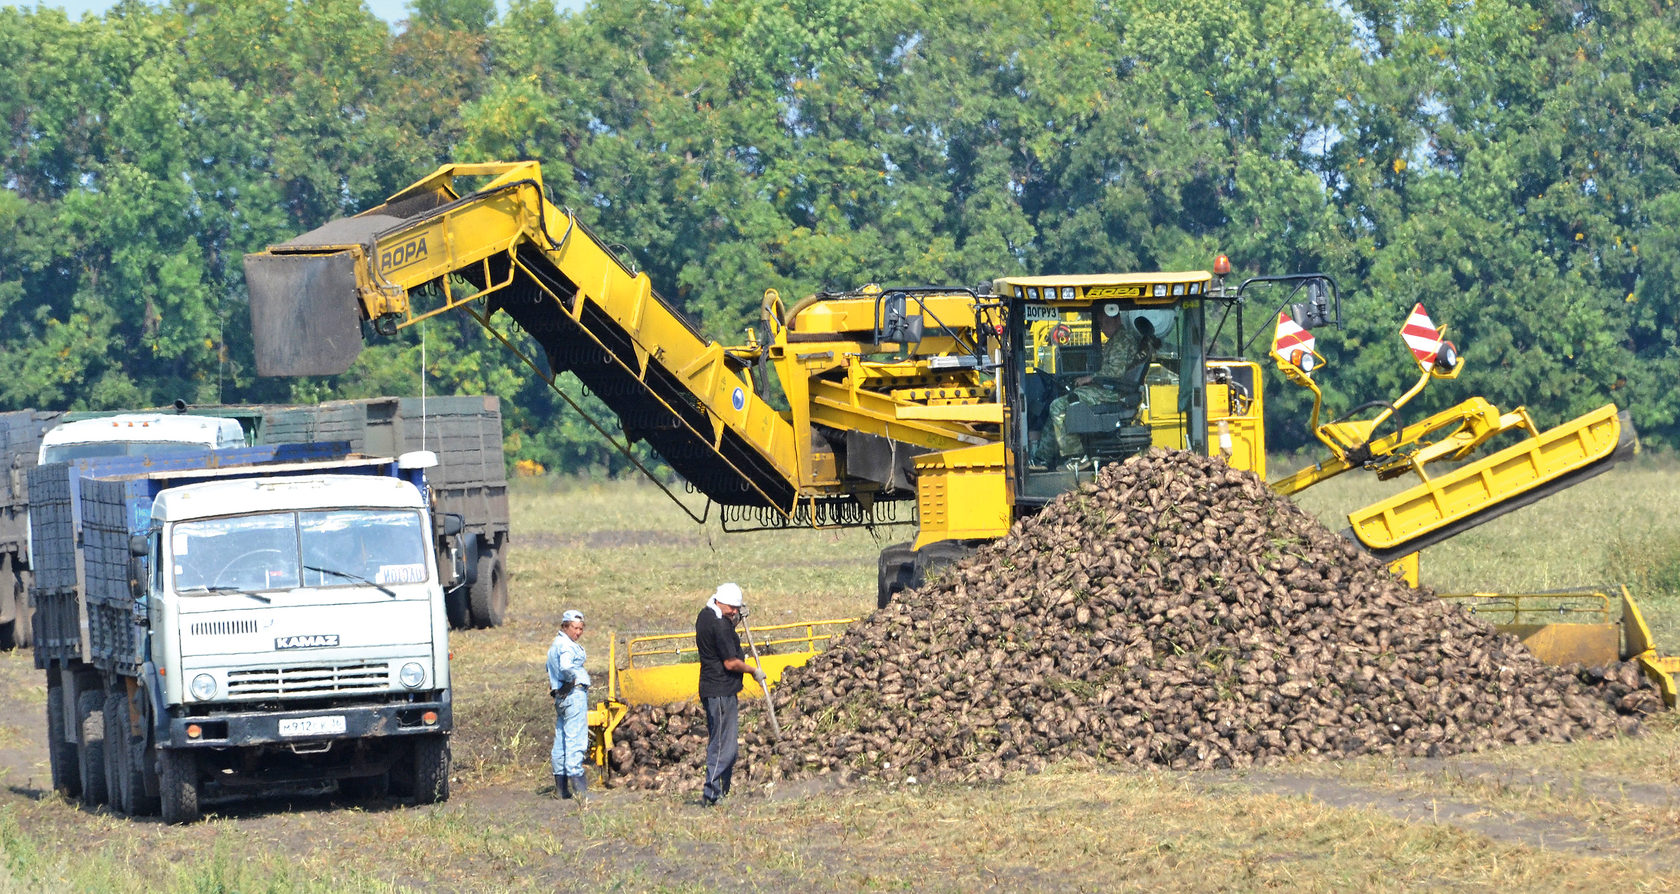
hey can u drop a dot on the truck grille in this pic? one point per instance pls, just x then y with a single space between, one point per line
223 628
309 679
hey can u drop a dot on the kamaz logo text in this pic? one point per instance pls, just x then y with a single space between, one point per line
308 641
1114 292
404 254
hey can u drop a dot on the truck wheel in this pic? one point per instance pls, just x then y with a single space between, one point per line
17 633
489 595
178 785
66 777
430 763
90 719
115 724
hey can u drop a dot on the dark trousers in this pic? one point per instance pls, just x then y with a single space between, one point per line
723 716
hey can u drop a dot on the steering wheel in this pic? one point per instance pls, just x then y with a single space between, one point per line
243 560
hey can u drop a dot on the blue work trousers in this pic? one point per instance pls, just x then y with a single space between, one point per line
571 732
723 723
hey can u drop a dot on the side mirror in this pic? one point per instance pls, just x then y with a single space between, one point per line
137 545
453 524
136 577
1315 311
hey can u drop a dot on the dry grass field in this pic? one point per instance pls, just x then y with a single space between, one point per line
1598 816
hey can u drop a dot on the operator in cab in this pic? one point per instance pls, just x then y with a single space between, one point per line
1123 348
722 666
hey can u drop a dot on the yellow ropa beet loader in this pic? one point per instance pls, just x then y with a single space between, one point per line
884 405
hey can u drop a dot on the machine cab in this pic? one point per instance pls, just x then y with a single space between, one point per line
1102 367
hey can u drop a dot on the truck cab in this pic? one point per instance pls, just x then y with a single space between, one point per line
139 434
297 626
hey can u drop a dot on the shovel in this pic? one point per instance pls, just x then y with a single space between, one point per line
769 703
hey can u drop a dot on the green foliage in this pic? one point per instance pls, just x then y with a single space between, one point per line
1512 165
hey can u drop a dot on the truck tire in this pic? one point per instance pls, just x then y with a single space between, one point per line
61 755
178 785
14 585
489 596
115 724
430 765
90 720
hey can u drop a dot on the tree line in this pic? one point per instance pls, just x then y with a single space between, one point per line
1515 166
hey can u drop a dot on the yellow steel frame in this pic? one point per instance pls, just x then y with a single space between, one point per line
662 668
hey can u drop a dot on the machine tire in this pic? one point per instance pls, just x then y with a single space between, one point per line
115 724
429 763
178 785
489 595
61 755
90 750
896 573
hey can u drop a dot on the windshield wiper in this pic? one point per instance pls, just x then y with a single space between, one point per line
243 592
353 577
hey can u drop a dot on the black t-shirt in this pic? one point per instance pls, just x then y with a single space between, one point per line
718 642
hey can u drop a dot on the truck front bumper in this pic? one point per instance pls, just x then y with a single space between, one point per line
313 726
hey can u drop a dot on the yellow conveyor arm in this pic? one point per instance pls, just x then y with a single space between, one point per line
505 247
1445 505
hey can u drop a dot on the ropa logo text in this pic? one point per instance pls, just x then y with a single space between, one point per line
403 254
1114 292
307 641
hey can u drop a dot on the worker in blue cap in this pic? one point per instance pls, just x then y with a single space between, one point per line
568 685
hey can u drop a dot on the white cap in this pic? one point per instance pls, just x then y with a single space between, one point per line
728 594
571 615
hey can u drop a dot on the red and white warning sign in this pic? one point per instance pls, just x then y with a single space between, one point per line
1291 342
1422 337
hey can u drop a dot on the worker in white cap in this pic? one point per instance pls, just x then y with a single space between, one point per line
568 685
721 668
1123 347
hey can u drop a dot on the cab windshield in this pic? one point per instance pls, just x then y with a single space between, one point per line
63 453
284 550
1086 374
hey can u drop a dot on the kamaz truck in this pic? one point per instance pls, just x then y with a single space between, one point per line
217 623
464 431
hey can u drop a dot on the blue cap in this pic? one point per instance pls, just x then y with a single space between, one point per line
571 615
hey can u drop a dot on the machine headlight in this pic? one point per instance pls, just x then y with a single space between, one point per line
412 675
1178 288
203 687
1067 293
1160 290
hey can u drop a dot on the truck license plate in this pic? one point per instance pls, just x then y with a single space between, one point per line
312 726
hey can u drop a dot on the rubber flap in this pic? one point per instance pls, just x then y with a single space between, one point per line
305 320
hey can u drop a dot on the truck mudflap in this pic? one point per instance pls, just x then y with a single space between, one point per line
314 729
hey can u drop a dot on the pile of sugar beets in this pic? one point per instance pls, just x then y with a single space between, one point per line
1175 612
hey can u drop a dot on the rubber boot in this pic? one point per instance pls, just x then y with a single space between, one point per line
580 785
561 787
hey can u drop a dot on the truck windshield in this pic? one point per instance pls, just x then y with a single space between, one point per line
63 453
283 550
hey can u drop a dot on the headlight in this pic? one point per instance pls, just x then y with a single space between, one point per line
412 675
203 687
1160 290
